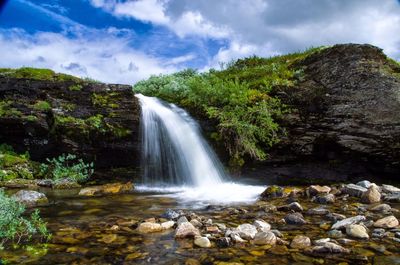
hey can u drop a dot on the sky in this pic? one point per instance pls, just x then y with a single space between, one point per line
118 41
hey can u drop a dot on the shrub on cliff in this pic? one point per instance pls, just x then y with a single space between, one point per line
14 165
16 227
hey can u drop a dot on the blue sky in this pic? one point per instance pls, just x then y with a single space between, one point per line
120 41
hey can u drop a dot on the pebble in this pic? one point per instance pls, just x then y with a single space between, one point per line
262 226
246 231
300 242
265 238
329 247
372 195
387 222
149 227
186 229
295 219
202 242
357 231
167 225
325 199
348 221
353 190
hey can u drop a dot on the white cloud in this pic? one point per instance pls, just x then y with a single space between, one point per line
265 27
99 55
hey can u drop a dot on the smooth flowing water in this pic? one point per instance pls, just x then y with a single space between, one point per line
176 159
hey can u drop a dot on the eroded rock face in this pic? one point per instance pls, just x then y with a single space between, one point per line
96 121
345 110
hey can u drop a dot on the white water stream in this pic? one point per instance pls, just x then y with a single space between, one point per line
176 159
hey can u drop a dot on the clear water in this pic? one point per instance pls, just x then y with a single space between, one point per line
178 161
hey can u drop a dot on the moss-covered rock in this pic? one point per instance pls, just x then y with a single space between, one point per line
48 114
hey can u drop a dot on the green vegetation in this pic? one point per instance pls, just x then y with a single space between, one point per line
7 111
42 105
240 99
108 100
13 165
76 87
67 167
93 124
37 74
14 227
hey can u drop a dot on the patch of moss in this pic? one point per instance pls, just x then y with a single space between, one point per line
108 100
31 118
68 106
76 87
14 165
42 105
93 124
7 111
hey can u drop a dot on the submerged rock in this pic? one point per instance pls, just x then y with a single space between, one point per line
149 227
30 198
186 229
111 188
329 248
265 238
325 199
223 242
318 211
387 222
357 231
170 214
300 242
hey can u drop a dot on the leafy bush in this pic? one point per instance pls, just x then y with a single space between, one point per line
241 98
76 87
67 167
17 228
6 110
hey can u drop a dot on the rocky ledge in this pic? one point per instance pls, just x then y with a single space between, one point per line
95 121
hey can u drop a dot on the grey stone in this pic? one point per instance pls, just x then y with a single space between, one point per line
246 231
357 231
348 221
295 219
265 238
30 198
354 190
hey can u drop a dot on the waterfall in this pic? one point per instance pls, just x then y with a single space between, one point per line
173 151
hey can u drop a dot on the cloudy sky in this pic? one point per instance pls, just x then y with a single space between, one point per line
120 41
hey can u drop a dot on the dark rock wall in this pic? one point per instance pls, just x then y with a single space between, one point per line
346 117
96 121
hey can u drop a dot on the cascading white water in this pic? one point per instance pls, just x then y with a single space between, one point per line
176 158
174 153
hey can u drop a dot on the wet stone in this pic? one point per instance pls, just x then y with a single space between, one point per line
272 192
223 242
380 208
30 198
186 229
202 242
335 234
348 221
246 231
300 242
329 248
265 238
387 222
364 183
357 231
262 226
354 190
149 227
317 211
182 219
378 232
295 219
372 195
170 214
317 189
325 199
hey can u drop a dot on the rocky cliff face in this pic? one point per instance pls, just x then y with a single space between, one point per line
96 121
346 116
